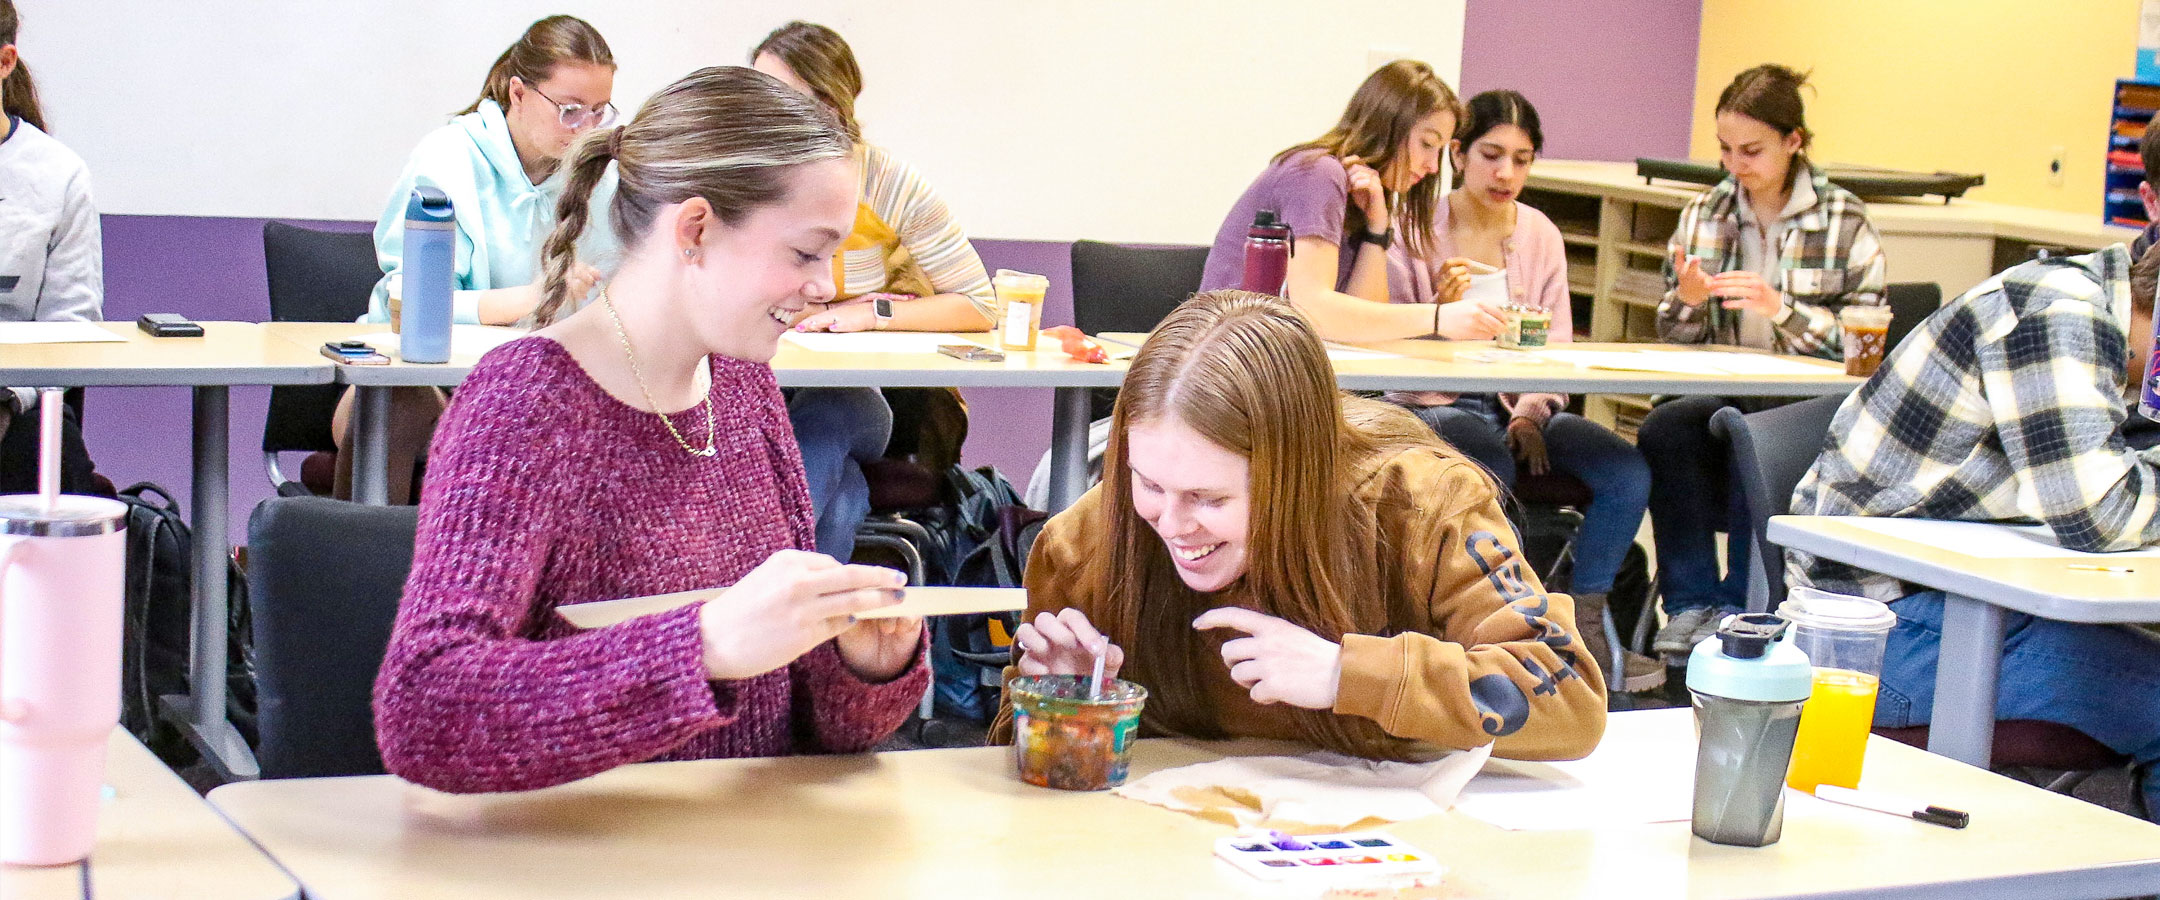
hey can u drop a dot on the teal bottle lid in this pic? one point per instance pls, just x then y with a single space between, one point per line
1750 659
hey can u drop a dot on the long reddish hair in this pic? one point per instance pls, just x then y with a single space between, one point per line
1247 372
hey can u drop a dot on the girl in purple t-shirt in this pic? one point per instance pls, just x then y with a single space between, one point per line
1345 197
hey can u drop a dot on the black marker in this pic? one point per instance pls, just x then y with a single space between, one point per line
1933 815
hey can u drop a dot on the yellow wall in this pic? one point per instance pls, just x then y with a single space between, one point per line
1986 86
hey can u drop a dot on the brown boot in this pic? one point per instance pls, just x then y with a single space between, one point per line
1640 673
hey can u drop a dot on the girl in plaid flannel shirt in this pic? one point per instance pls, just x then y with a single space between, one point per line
1765 259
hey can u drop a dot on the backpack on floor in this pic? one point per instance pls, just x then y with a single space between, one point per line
984 536
158 626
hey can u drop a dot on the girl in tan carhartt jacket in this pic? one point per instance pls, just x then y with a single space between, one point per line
1274 559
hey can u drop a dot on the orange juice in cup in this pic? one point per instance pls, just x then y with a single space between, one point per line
1843 638
1841 705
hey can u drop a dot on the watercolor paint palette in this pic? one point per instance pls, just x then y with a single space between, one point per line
1318 857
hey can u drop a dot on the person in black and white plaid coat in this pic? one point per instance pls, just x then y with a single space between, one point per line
2016 402
1765 259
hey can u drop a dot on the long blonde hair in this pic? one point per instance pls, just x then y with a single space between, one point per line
725 133
1246 372
1375 127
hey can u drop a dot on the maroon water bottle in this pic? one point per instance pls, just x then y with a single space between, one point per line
1267 254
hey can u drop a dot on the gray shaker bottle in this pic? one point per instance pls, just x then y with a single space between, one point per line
1748 685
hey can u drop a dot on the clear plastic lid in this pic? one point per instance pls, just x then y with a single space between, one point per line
1824 611
71 515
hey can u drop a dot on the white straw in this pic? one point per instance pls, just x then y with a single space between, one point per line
49 407
1095 681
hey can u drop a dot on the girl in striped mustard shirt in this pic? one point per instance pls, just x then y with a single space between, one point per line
908 266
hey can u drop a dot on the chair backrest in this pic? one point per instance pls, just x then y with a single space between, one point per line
1910 302
1771 452
324 578
1123 287
315 276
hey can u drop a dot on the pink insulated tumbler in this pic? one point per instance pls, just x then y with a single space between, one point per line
62 560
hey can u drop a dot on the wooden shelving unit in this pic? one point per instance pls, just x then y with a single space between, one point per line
1616 227
2135 103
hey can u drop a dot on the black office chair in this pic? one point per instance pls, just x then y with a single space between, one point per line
315 276
1129 287
1910 303
1126 287
324 578
1772 450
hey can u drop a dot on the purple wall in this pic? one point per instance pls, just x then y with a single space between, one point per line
211 269
1611 80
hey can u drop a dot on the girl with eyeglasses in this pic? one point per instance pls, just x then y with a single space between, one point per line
497 160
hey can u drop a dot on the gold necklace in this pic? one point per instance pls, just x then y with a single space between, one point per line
711 427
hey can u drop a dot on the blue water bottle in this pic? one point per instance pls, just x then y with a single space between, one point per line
430 257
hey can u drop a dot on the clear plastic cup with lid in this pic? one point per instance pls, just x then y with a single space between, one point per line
1844 638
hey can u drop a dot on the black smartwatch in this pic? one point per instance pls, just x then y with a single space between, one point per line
1381 240
881 311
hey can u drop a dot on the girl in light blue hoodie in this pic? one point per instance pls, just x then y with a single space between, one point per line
497 162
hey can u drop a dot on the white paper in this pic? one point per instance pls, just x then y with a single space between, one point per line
466 341
57 333
1643 771
1759 364
1990 540
874 341
1340 353
1689 362
1317 790
1634 361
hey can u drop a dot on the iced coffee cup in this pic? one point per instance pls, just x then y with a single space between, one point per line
1020 296
1867 336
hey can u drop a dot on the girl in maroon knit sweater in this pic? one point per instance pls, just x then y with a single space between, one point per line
639 446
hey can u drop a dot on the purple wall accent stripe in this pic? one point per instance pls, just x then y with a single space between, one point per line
211 269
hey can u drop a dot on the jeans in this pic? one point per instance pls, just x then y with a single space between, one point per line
1619 481
1691 500
839 429
2103 680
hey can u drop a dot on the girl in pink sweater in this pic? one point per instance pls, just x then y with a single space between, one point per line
639 446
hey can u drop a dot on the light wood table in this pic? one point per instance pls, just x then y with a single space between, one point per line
228 353
1421 364
1416 365
1977 587
156 838
794 366
947 823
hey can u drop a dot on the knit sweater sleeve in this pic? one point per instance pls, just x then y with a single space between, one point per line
847 714
472 695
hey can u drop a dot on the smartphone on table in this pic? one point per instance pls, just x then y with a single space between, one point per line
971 353
168 325
357 353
